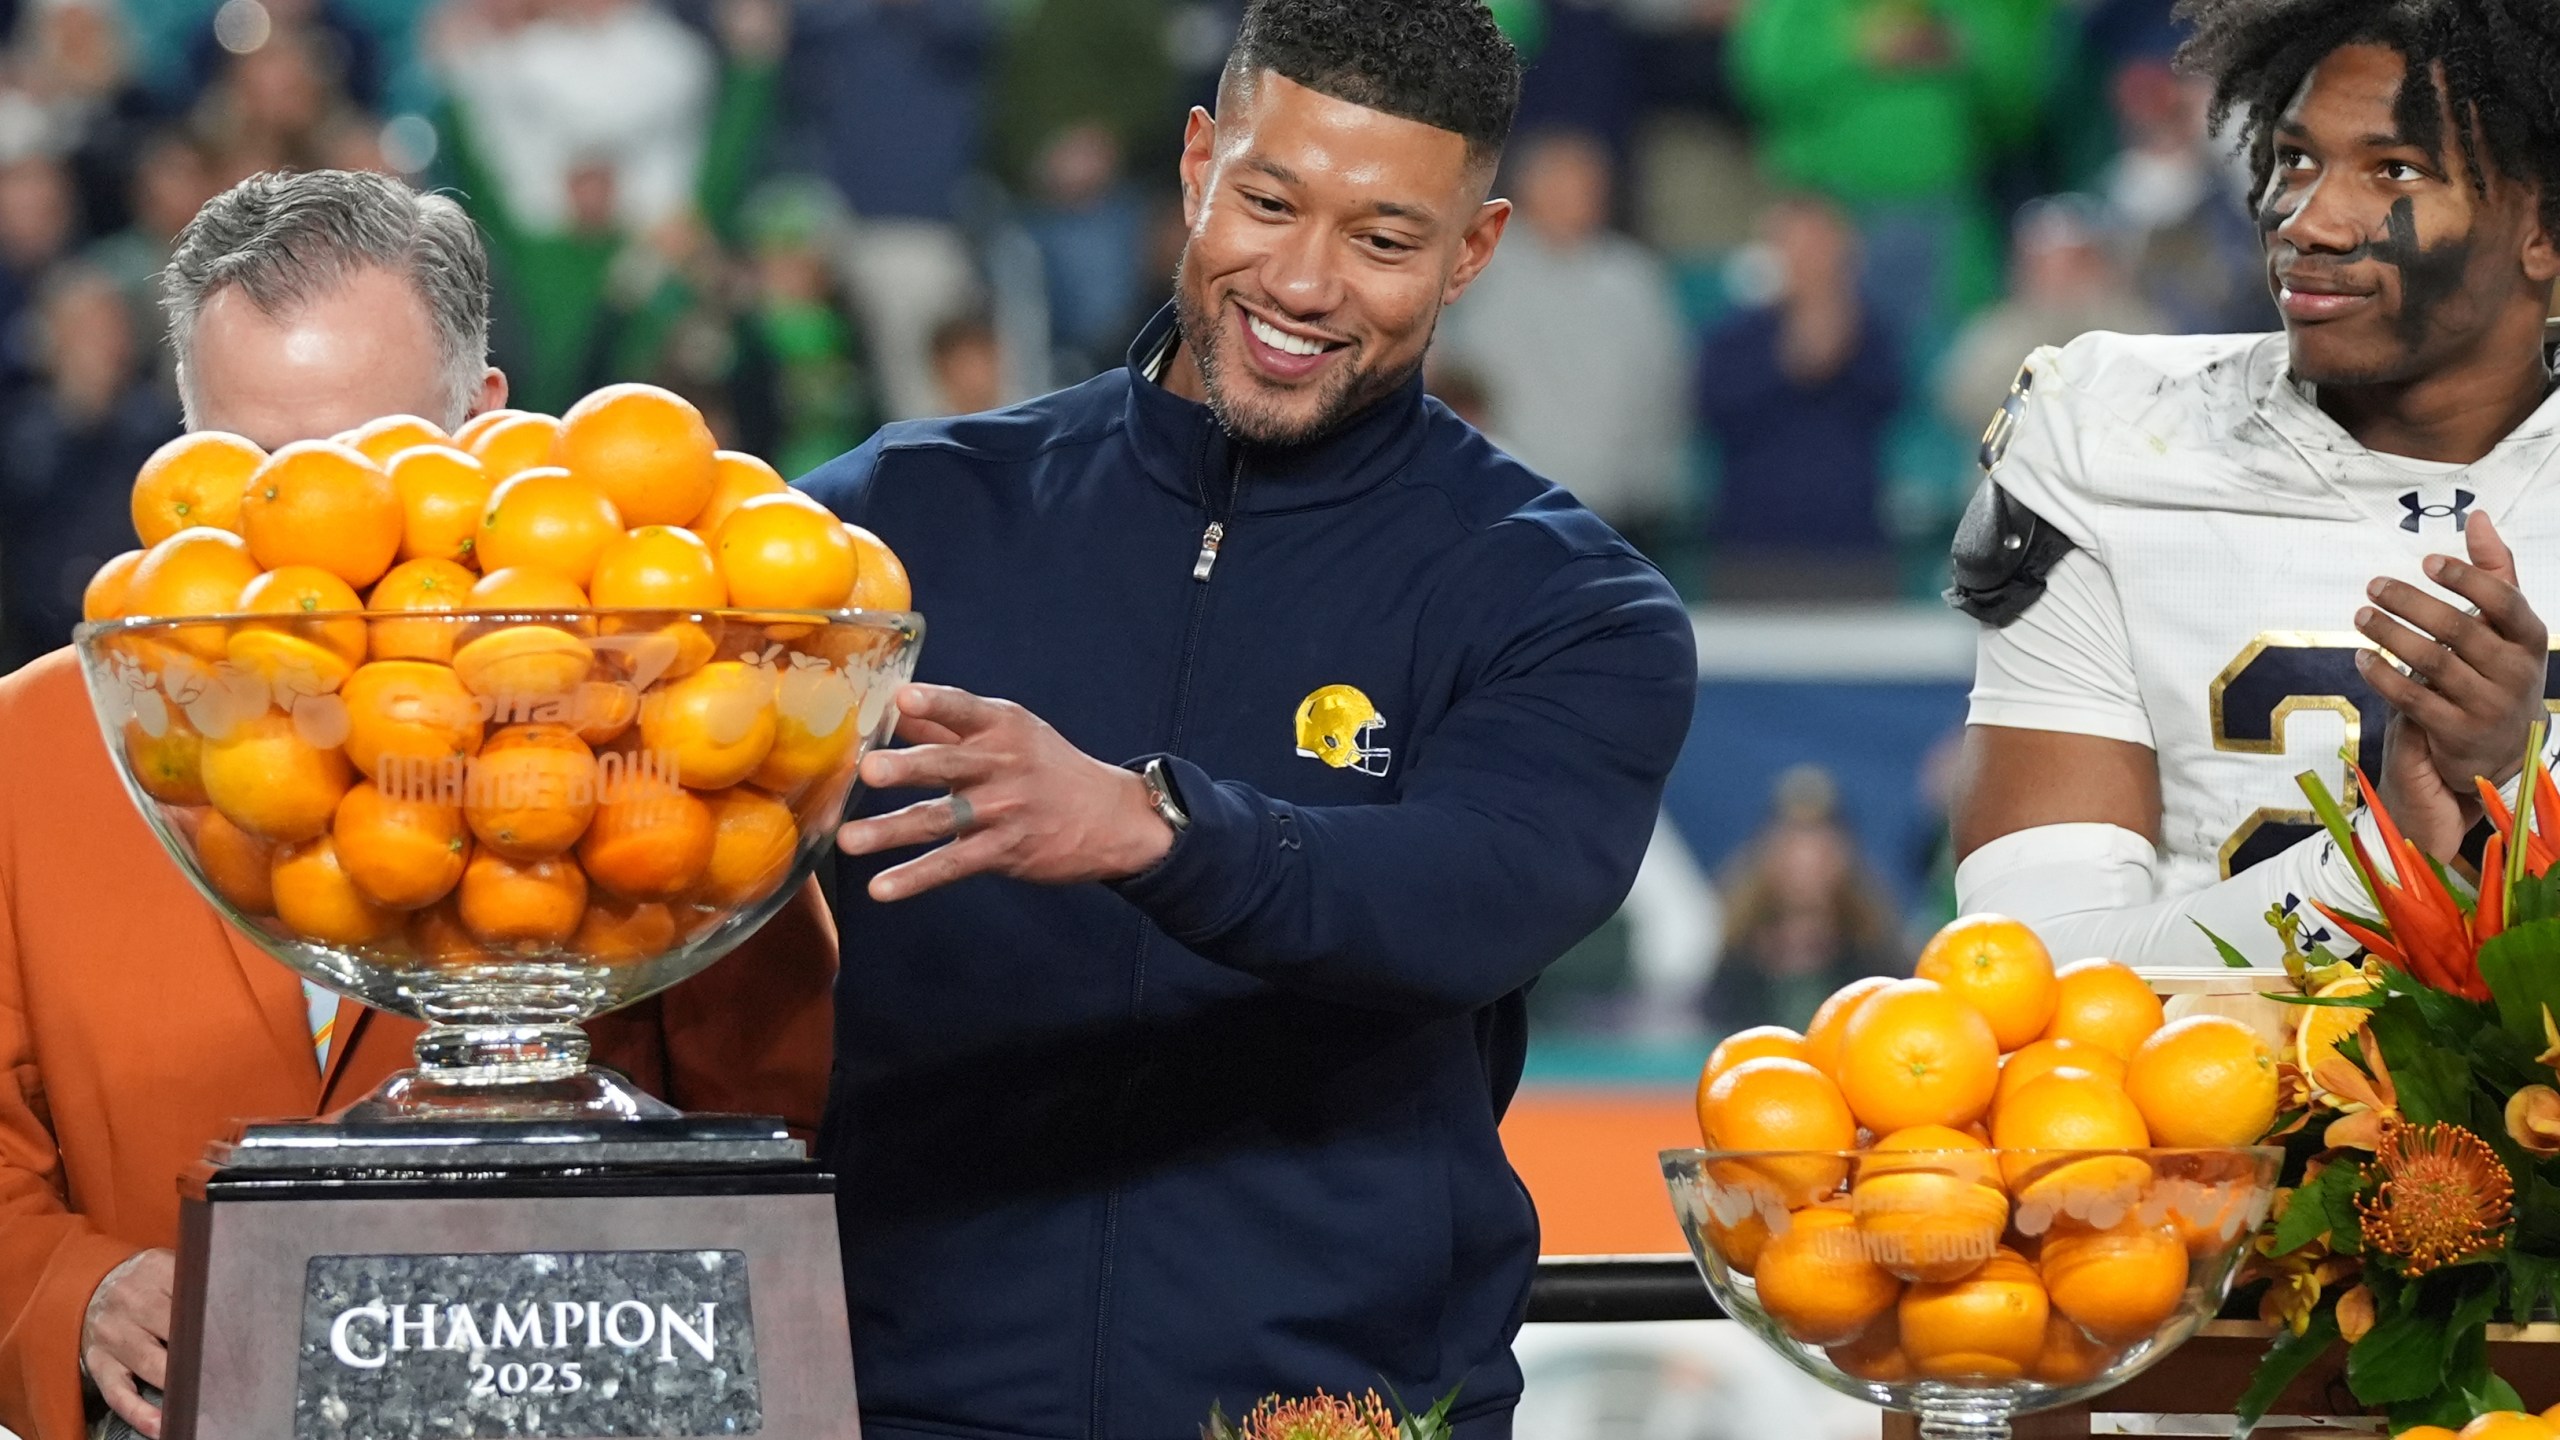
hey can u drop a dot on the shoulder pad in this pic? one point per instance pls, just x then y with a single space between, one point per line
2003 552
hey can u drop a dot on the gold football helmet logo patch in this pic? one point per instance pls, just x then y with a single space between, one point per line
1335 725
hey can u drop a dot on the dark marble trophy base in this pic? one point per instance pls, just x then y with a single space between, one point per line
384 1280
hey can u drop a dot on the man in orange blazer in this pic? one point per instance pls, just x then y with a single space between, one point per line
136 1025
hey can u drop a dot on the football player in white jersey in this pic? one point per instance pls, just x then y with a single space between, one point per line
2192 556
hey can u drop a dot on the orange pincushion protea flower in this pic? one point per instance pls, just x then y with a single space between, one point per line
1320 1417
2443 1198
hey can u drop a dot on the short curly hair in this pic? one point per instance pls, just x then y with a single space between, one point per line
1444 63
2499 63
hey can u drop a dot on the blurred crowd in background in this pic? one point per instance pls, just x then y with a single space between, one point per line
1775 261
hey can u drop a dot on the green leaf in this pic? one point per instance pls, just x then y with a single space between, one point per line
2401 1358
2529 899
2522 966
2312 1212
2427 1065
2333 818
2230 953
2532 1281
2284 1362
2365 1001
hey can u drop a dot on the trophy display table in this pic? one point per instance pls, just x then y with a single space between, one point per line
2206 1376
674 1276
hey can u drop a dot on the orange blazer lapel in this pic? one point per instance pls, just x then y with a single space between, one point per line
278 992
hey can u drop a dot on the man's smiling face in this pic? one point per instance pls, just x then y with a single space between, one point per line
2388 261
1325 238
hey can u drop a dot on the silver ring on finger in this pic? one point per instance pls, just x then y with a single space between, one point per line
964 815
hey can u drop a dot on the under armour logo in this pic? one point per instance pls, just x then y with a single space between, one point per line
2459 512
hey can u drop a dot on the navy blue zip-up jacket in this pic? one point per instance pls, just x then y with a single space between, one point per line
1108 1154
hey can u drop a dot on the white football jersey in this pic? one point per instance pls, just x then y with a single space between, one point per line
2227 530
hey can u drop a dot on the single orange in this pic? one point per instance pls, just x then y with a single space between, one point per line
403 853
1760 1042
879 577
1740 1243
1915 1054
510 446
738 477
2120 1283
1989 1325
319 641
103 597
754 841
440 938
273 783
618 931
381 439
786 552
2105 1004
1815 1280
2204 1080
647 447
717 722
1876 1354
1999 967
521 903
196 479
2067 1110
198 571
817 723
319 503
649 842
443 493
2043 1057
318 900
524 671
411 726
2070 1356
2508 1425
481 424
548 518
1929 1202
169 766
2436 1432
1776 1104
525 588
532 790
659 568
236 864
418 585
1822 1033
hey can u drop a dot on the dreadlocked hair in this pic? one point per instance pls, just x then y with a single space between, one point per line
2500 61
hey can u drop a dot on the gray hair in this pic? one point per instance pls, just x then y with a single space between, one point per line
285 238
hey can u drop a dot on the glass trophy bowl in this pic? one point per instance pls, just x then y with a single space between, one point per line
1968 1287
500 824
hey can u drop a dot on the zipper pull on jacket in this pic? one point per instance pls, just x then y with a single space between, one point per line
1210 539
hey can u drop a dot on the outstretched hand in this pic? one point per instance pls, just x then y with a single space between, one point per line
2473 687
1022 801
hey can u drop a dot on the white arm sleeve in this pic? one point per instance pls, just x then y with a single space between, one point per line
2066 664
2093 890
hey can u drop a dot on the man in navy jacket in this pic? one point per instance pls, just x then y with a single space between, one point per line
1171 1074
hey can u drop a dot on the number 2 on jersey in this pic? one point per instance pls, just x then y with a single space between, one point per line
2279 675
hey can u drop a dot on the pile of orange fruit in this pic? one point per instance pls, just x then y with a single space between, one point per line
458 787
1936 1233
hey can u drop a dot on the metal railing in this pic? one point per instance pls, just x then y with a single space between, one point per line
1615 1289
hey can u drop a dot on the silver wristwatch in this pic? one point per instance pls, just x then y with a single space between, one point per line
1157 776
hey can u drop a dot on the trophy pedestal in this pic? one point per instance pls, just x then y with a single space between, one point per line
671 1276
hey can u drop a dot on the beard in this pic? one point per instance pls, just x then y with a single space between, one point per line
1259 414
